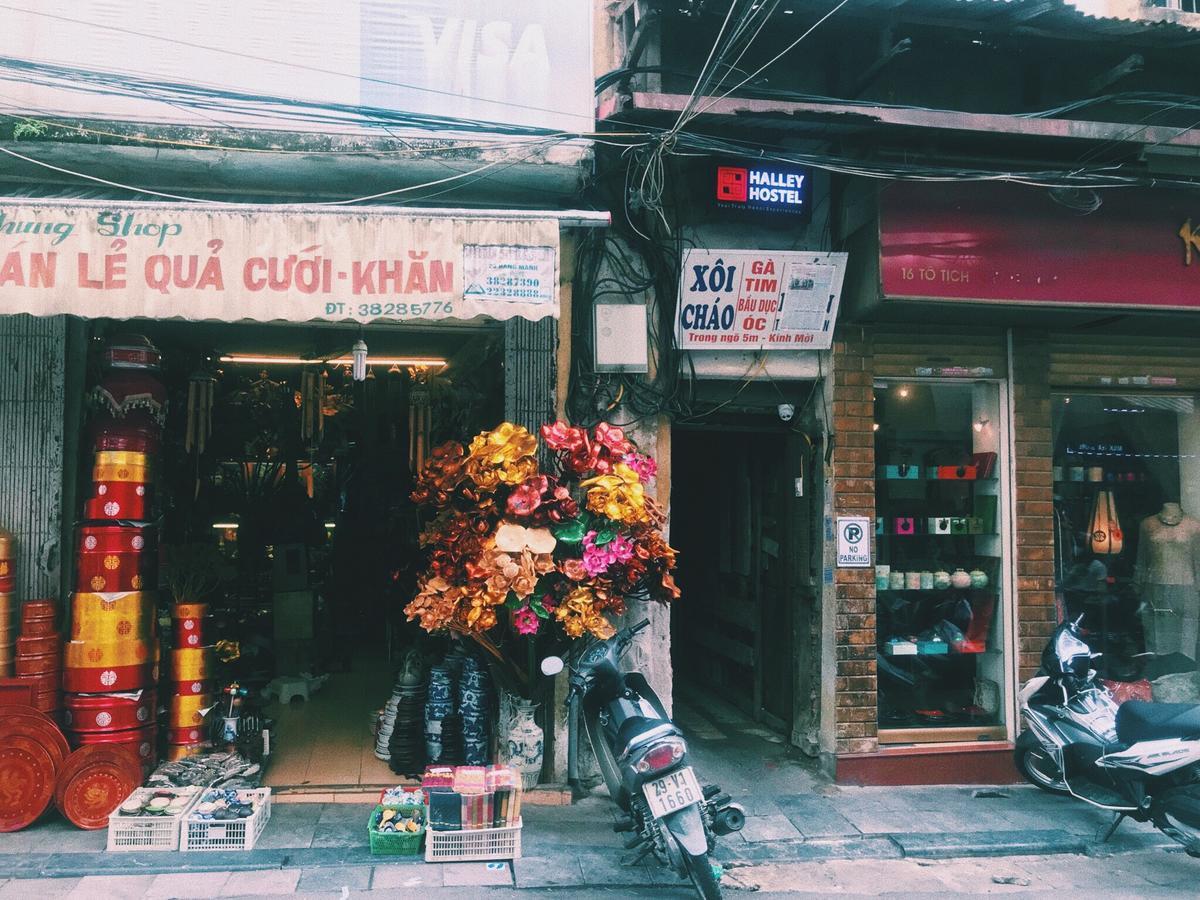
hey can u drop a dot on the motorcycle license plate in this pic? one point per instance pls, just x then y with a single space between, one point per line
673 792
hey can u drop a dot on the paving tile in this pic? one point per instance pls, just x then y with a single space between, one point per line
476 874
406 875
814 816
262 882
537 872
769 828
355 878
112 887
606 868
40 888
186 885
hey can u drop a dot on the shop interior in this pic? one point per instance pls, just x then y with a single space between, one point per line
1126 501
282 495
745 550
940 590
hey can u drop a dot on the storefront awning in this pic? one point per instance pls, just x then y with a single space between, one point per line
304 263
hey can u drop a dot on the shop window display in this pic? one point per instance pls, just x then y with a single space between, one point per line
1127 540
939 578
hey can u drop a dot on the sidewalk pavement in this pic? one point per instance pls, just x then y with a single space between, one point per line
793 815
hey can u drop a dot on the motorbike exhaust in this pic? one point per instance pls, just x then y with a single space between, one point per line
729 819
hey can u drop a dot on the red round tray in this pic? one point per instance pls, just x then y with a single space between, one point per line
108 712
85 756
139 742
38 645
95 780
116 571
118 500
192 735
26 782
28 721
189 633
38 663
37 627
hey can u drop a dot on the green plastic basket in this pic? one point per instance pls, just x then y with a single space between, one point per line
397 843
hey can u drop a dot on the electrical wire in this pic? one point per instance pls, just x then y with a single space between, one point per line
187 199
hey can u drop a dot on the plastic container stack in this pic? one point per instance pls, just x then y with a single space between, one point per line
37 655
110 660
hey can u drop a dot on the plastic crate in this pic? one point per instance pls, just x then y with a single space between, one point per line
402 843
131 833
473 844
235 834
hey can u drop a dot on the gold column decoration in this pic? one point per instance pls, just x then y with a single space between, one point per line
420 418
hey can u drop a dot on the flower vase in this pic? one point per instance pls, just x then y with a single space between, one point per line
525 744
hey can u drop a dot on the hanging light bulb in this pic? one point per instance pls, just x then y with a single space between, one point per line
358 366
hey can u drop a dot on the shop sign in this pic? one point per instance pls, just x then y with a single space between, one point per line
764 187
853 542
520 62
1014 244
758 299
232 263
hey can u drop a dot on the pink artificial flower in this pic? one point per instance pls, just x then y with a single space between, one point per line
645 466
612 439
621 549
527 497
596 560
526 621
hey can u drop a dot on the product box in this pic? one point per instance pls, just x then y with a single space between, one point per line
939 525
951 473
902 472
932 648
900 647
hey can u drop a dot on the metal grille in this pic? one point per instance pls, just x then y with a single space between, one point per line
530 371
32 388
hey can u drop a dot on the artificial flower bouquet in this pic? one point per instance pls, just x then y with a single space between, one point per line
511 546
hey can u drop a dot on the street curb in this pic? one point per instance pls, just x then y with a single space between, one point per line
948 845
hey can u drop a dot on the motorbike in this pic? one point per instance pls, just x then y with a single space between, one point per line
643 758
1138 760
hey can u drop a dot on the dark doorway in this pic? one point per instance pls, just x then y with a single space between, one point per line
743 536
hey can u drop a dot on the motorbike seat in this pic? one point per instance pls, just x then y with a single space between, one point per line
1138 720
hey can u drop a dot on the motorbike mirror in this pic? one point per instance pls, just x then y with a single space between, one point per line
552 665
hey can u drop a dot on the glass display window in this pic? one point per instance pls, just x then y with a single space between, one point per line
1127 535
940 550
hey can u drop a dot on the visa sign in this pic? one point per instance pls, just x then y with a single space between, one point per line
775 189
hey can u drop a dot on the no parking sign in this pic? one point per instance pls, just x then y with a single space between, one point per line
853 542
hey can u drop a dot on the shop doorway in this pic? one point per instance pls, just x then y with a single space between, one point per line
282 489
740 517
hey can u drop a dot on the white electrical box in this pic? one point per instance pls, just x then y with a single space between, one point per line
621 338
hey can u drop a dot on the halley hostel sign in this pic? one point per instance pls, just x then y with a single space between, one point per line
1006 244
764 188
230 263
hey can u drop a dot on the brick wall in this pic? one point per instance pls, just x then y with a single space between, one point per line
1035 499
853 461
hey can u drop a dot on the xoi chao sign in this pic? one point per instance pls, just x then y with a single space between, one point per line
765 188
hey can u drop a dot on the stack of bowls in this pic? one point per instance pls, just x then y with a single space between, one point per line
38 659
474 705
400 740
8 619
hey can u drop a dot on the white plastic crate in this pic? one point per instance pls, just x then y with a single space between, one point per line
473 844
234 834
126 833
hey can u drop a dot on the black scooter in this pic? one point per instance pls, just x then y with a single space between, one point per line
643 758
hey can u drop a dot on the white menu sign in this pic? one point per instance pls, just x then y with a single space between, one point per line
758 299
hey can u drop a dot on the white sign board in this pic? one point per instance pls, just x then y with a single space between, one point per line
296 264
853 542
758 299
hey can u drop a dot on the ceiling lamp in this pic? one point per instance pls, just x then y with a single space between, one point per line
428 362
